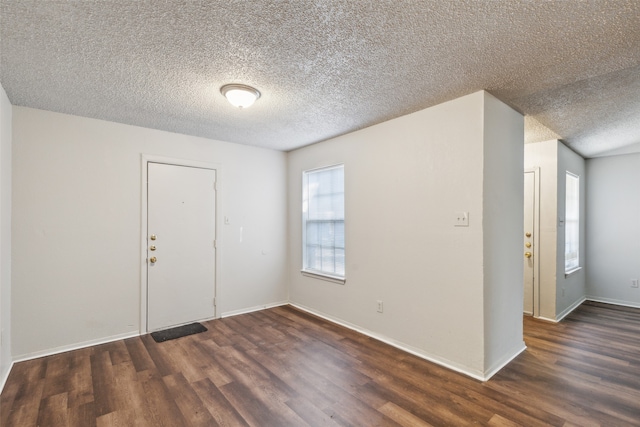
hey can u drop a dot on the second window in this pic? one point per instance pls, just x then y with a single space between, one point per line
323 221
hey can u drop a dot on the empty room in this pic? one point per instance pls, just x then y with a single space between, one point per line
319 213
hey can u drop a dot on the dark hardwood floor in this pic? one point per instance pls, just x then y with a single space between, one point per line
283 367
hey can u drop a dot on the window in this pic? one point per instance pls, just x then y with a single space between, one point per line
572 224
323 222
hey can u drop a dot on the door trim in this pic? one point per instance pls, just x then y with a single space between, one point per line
144 160
536 240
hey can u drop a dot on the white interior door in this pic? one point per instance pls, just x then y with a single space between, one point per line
528 250
181 206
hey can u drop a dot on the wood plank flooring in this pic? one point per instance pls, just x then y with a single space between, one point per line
283 367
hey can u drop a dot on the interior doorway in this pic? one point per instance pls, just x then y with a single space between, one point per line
531 303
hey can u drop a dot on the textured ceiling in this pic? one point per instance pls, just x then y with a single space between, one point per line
327 67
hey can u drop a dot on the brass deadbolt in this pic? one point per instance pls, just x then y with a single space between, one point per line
527 254
153 259
528 244
153 237
152 247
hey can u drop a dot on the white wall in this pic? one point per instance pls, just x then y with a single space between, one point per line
5 236
404 180
502 231
76 226
613 229
570 290
558 294
627 149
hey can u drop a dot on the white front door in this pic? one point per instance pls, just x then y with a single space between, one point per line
529 259
181 233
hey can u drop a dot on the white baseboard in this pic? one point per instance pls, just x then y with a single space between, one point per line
481 376
504 361
564 313
252 309
84 344
569 309
546 319
614 301
3 380
71 347
63 349
577 304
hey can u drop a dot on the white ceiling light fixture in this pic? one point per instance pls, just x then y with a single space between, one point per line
241 96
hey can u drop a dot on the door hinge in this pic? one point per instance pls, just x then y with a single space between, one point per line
215 185
215 243
214 302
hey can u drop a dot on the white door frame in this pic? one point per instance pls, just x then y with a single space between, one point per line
144 160
536 240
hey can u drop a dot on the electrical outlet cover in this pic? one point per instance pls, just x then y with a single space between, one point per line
461 219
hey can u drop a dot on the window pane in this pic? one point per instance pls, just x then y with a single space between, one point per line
313 257
326 233
324 178
323 218
339 234
337 183
325 206
572 222
327 259
312 233
339 262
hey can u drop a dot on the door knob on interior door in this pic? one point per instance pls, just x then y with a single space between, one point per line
527 254
153 259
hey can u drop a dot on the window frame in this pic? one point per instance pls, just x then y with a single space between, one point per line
331 276
571 224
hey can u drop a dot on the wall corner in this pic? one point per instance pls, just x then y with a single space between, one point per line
502 232
6 356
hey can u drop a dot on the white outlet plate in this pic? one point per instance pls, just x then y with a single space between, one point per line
461 219
634 283
379 306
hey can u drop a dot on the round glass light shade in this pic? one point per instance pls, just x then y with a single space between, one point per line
240 96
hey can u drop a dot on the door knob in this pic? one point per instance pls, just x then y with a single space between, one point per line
528 244
526 255
153 237
528 234
153 259
152 247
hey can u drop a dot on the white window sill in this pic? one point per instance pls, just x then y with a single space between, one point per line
323 276
570 272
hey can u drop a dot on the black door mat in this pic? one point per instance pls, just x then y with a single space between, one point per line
178 332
